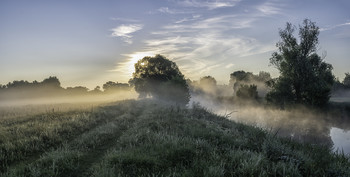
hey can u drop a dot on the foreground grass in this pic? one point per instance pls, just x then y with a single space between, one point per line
146 138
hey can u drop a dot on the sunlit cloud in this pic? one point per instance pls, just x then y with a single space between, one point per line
210 4
125 31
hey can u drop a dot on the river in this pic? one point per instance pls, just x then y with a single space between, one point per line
329 127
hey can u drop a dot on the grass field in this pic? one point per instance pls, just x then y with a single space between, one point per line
148 138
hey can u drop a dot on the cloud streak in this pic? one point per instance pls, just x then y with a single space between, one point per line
125 31
167 10
125 19
209 4
335 26
202 45
270 8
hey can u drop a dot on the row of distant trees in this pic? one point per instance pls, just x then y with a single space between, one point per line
342 88
52 87
247 85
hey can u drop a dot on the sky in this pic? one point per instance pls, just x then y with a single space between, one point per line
90 42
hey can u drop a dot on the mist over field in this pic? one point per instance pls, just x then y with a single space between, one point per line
196 88
70 99
159 125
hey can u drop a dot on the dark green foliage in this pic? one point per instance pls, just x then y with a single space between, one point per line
160 78
247 92
51 88
346 80
112 86
263 76
239 78
342 89
304 77
77 90
52 82
242 76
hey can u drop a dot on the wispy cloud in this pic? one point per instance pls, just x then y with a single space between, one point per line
125 31
270 8
335 26
210 4
224 22
167 10
194 17
202 45
125 19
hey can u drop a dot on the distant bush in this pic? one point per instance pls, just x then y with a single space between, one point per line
247 92
239 78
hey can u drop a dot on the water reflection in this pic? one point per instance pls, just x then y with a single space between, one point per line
301 124
341 139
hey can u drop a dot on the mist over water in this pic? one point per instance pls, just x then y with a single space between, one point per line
329 128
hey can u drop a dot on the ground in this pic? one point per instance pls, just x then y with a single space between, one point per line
149 138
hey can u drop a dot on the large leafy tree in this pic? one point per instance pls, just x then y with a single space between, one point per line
160 78
304 77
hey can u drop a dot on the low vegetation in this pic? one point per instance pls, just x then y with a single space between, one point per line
148 138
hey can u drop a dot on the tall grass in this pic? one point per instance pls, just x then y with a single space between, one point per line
148 138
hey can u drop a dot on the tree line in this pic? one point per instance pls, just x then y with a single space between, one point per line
51 87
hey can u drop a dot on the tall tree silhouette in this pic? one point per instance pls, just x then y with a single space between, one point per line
160 78
304 77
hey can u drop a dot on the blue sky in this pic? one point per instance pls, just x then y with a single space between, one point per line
91 42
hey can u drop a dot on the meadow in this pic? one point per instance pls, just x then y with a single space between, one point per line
150 138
